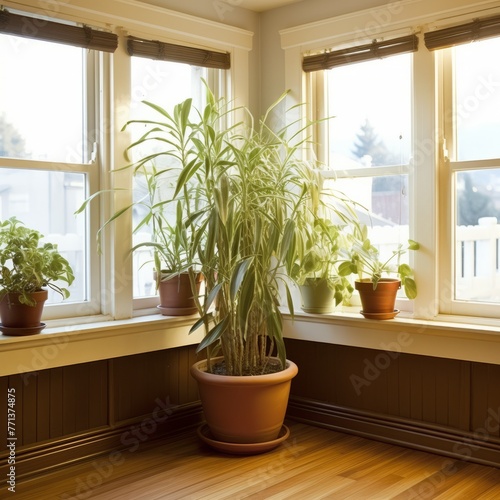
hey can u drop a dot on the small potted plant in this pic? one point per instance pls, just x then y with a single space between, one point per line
171 241
28 268
379 279
314 268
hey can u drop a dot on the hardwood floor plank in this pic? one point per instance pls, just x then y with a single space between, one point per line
314 464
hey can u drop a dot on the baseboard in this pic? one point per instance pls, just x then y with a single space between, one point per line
130 435
475 447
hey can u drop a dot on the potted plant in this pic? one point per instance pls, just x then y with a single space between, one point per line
374 283
314 268
242 189
158 224
171 240
28 268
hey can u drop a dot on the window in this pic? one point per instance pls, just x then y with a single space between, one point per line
63 101
46 148
471 122
164 83
413 138
369 140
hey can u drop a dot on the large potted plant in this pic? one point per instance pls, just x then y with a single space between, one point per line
378 279
28 268
242 187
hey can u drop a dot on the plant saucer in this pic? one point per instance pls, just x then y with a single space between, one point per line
384 315
21 330
241 448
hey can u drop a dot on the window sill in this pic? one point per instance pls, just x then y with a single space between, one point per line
444 337
59 346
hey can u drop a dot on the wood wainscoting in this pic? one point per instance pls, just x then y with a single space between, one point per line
69 413
74 412
445 406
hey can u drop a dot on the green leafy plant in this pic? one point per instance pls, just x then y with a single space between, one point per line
317 255
363 259
241 189
27 265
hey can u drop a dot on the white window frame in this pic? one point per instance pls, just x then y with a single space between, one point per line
91 171
449 166
429 215
111 277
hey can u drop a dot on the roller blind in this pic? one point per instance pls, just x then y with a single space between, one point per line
51 31
477 29
374 50
154 49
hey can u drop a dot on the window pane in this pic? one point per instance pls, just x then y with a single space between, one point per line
477 274
41 100
371 127
477 72
46 201
166 84
385 207
370 103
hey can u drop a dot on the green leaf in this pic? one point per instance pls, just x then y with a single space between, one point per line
410 288
238 276
212 296
413 245
288 236
213 335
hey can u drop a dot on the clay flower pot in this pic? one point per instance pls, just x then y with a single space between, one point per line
244 409
317 297
21 319
378 303
176 296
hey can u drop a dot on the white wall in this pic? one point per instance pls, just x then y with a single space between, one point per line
267 64
272 69
233 14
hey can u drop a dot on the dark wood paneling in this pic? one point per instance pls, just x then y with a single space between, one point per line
56 403
61 406
410 392
143 379
43 406
421 388
485 389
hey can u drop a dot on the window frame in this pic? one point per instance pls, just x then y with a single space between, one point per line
449 166
111 276
430 215
91 170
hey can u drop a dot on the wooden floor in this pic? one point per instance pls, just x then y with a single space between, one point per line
313 464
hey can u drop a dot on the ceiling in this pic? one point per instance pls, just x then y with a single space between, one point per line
263 5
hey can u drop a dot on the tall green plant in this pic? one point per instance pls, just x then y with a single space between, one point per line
242 189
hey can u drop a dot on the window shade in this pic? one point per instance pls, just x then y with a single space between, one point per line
374 50
51 31
154 49
478 29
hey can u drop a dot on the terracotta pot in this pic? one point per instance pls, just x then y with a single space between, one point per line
317 297
246 409
176 296
378 303
14 314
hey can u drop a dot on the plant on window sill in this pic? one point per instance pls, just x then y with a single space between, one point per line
363 259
